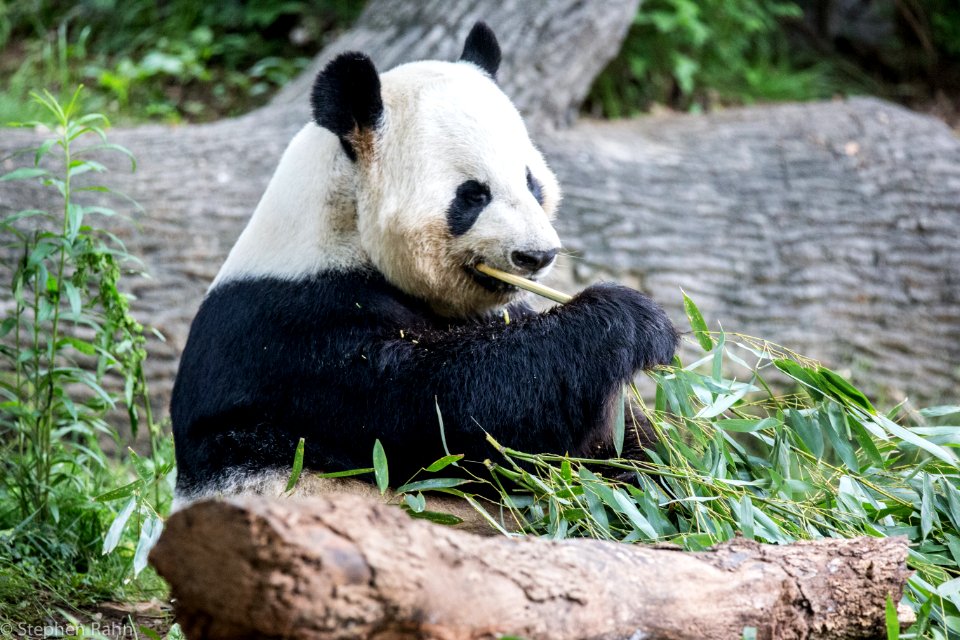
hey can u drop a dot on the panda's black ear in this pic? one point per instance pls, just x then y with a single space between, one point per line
346 100
482 49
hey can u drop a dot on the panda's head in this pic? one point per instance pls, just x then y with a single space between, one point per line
447 176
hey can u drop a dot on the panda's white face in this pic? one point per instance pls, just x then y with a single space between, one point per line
450 179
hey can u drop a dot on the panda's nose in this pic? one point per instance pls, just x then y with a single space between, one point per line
533 260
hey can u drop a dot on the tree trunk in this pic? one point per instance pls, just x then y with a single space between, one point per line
344 567
830 227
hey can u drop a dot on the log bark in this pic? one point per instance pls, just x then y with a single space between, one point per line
829 227
343 567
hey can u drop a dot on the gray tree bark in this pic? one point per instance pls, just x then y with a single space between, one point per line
830 227
342 567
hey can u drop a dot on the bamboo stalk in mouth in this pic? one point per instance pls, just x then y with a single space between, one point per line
523 283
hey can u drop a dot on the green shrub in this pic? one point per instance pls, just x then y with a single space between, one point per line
71 355
696 53
181 59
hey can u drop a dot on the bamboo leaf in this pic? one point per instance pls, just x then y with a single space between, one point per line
893 621
443 462
380 471
297 468
432 483
697 323
619 424
112 538
345 474
149 534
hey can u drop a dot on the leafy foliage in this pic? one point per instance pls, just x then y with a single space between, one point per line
731 456
181 59
693 53
699 54
71 355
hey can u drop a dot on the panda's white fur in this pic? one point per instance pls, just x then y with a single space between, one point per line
349 309
443 123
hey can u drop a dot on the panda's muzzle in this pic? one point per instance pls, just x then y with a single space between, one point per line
528 264
533 261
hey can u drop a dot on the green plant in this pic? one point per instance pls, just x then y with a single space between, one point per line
695 53
71 354
175 60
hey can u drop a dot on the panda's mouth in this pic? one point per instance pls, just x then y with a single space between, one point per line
490 284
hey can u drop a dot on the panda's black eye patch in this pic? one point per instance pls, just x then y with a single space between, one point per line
470 200
535 187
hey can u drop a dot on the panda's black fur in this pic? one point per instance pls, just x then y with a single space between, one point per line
342 357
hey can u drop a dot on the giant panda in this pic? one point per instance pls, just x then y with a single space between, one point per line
350 308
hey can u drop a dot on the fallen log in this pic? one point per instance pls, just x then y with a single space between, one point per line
342 566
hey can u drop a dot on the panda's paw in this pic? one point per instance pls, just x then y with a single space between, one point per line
632 316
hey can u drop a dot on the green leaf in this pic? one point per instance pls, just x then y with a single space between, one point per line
432 483
619 424
416 502
149 534
866 443
722 403
24 173
746 516
297 468
7 326
436 517
380 471
697 323
43 149
844 390
629 509
833 422
907 436
74 221
73 296
112 539
812 382
809 434
345 474
443 462
927 514
120 492
893 621
940 411
685 69
22 215
82 346
144 466
443 433
953 505
747 425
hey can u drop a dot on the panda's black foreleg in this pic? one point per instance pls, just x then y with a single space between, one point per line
540 384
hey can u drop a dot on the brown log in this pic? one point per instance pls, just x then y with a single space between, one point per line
341 566
828 227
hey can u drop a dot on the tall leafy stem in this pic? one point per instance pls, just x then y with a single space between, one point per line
74 346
